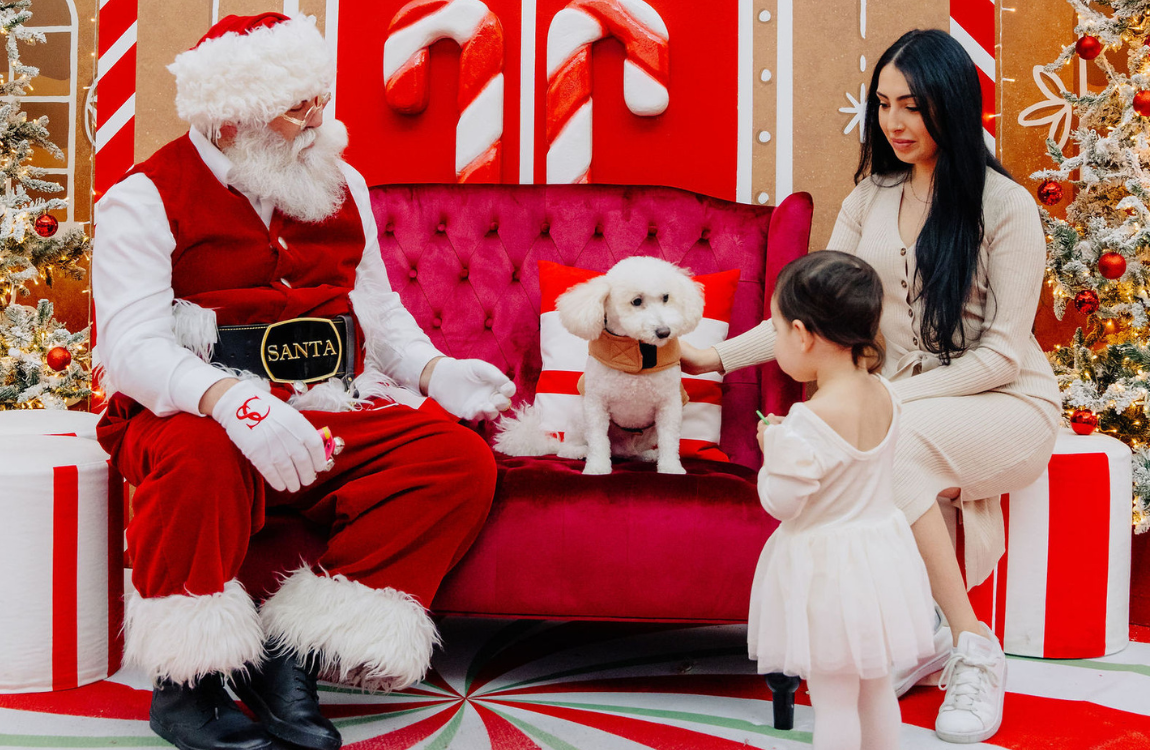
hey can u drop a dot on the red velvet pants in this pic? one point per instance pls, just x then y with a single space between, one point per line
405 500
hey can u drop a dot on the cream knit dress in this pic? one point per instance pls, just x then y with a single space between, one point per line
986 423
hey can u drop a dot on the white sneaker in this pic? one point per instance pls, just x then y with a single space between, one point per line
904 680
975 684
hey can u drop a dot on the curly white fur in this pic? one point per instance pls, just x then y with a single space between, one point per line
377 639
183 638
654 302
520 433
252 78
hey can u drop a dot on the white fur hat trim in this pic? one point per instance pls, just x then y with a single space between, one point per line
252 78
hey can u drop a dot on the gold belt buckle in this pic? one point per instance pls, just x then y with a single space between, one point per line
294 350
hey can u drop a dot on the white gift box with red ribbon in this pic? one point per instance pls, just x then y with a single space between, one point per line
61 553
1062 590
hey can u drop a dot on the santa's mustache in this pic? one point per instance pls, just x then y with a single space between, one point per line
302 177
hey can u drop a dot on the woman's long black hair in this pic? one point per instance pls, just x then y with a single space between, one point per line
944 83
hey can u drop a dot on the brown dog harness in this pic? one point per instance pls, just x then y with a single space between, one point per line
631 356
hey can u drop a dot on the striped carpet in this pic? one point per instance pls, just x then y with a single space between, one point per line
515 685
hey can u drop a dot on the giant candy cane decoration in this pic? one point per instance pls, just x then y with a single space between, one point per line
418 25
573 30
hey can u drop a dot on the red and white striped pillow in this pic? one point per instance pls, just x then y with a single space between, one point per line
564 355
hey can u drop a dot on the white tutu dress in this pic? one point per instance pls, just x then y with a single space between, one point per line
840 587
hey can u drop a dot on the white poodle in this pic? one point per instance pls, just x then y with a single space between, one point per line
632 387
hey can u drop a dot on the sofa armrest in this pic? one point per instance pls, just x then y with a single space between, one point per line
788 238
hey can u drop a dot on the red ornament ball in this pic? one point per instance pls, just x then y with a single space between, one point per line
1088 47
1111 265
58 358
1083 421
46 225
1142 103
1086 302
1049 192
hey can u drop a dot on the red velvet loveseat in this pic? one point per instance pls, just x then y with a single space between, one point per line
634 545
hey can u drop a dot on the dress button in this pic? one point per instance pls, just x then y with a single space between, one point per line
515 275
705 235
902 252
488 323
544 228
436 322
389 227
652 230
494 227
463 275
441 227
412 274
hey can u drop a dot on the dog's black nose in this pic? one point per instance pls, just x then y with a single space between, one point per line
662 332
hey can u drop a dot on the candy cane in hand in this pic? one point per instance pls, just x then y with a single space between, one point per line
573 30
418 25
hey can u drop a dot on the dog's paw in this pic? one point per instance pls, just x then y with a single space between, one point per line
666 467
597 467
572 450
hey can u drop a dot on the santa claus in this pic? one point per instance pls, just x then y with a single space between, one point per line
242 307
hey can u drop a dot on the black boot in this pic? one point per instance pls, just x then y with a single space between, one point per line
282 692
204 717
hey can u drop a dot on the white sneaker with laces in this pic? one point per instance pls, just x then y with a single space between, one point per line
904 680
975 684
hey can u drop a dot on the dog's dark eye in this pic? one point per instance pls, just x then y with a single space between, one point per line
637 301
666 297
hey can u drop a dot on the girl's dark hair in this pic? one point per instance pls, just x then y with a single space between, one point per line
944 83
837 296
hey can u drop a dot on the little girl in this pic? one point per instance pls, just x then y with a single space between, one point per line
840 593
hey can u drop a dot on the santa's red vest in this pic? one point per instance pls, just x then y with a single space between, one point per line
227 260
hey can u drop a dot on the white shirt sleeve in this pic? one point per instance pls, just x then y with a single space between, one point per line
132 294
394 342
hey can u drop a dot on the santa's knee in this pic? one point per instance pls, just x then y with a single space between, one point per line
467 478
193 512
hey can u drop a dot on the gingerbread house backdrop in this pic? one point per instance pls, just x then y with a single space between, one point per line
746 100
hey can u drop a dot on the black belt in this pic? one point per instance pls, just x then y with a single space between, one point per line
303 350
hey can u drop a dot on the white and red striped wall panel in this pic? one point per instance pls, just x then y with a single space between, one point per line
115 92
972 23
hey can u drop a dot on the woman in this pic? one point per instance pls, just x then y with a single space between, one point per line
960 250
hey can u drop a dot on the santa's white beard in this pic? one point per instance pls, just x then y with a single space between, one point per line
302 178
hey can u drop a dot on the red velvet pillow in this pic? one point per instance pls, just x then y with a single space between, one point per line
564 356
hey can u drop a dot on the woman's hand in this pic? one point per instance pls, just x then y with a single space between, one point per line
699 361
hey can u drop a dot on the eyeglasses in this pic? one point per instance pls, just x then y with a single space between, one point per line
317 105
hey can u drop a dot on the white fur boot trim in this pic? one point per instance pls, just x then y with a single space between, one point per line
377 639
183 638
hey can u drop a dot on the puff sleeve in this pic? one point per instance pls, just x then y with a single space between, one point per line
791 472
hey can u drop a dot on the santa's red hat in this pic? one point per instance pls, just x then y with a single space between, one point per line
251 69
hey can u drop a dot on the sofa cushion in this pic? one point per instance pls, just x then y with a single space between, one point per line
564 358
634 544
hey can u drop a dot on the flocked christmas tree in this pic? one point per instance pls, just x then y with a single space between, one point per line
42 364
1099 255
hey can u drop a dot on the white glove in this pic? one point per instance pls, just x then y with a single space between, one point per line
470 388
279 441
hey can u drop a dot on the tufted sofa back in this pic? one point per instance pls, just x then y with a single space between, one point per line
464 260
